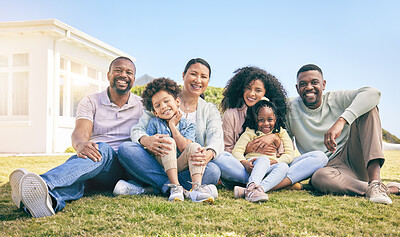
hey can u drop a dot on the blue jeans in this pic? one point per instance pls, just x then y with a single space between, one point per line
67 181
144 167
301 168
263 174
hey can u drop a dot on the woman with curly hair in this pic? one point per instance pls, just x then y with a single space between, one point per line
244 90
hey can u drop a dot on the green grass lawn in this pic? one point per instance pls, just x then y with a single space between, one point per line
302 213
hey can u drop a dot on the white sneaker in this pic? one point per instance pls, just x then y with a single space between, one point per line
176 193
15 181
377 192
127 188
35 195
211 189
199 194
394 184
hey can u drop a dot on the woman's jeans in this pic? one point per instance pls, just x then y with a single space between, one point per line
144 167
301 168
67 181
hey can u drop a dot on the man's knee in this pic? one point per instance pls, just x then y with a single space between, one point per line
323 178
106 151
104 147
127 148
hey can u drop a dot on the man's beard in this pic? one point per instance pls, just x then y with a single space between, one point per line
119 91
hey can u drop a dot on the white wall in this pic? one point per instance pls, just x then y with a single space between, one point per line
28 136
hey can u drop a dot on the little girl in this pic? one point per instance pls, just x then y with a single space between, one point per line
265 171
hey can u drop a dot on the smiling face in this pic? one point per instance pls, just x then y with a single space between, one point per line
121 76
253 92
266 120
196 78
310 85
164 105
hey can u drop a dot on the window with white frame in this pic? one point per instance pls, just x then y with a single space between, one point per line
14 85
78 80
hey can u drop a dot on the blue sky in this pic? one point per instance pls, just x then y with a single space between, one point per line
356 43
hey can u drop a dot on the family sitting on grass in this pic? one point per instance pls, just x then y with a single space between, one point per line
173 142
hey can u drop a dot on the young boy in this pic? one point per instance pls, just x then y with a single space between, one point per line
161 97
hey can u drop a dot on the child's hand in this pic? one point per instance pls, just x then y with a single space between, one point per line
271 162
248 165
175 119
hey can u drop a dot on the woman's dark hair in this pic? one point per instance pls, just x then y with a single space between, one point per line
234 89
159 84
197 60
252 114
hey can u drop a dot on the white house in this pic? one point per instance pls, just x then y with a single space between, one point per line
46 68
143 80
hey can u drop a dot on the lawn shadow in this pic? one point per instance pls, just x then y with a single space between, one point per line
8 210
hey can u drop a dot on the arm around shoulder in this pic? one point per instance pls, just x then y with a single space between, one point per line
139 130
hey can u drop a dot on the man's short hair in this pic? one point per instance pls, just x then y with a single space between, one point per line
159 84
309 67
121 58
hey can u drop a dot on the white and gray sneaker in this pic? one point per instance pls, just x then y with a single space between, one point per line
127 188
176 192
199 194
377 192
35 195
15 181
211 189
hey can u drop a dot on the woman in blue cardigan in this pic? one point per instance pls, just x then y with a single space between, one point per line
136 156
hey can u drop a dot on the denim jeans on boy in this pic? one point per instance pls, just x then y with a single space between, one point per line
301 168
67 181
144 167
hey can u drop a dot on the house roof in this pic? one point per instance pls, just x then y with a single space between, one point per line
58 29
143 80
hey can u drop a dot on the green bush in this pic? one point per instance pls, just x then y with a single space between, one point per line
138 90
70 150
389 137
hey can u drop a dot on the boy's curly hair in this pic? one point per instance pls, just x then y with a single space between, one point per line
159 84
274 91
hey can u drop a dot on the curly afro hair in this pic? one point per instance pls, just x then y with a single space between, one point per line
274 91
252 114
159 84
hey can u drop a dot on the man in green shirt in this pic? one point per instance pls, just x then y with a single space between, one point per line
346 126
